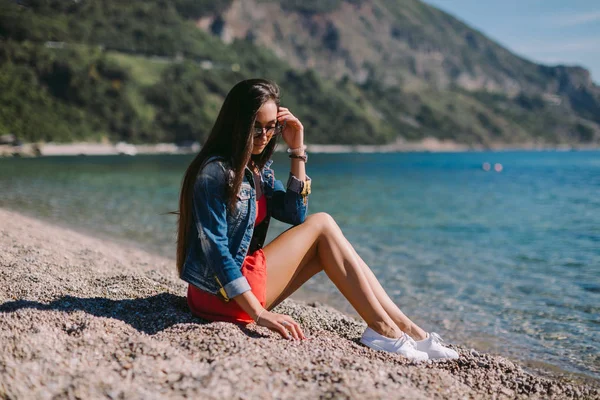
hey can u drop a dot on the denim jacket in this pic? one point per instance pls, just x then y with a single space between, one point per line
219 240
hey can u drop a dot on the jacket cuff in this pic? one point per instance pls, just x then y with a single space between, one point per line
296 185
237 287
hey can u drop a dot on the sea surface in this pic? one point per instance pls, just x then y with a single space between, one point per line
507 262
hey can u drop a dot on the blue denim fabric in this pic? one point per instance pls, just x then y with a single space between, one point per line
219 239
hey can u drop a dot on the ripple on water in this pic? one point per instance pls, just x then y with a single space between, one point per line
590 287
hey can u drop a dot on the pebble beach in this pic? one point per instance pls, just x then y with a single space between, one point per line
85 317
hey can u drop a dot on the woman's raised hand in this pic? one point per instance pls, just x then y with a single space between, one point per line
283 324
293 134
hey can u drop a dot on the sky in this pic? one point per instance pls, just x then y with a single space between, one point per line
546 31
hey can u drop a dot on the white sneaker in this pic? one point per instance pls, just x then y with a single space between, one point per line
434 347
403 345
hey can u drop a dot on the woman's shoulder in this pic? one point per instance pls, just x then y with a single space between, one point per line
215 167
216 161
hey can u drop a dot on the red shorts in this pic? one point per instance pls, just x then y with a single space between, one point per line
213 308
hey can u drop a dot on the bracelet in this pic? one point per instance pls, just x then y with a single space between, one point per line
298 150
259 314
303 157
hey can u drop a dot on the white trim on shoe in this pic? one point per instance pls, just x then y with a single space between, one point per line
433 345
404 345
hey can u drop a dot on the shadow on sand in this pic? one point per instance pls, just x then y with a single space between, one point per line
148 315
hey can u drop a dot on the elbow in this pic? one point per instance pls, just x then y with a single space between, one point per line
296 221
303 211
298 217
294 218
300 213
291 212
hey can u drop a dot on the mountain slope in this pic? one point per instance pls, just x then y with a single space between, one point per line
354 71
417 48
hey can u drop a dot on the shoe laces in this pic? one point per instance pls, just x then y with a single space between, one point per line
436 338
404 339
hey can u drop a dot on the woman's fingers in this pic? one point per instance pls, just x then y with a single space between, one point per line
294 327
284 325
291 121
291 328
285 114
297 325
297 329
282 330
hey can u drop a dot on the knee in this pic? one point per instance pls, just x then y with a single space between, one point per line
322 221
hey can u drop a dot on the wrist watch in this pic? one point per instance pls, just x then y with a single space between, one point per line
303 157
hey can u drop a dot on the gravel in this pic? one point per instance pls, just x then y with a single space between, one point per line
82 317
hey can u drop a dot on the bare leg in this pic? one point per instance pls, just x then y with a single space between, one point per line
319 242
301 276
310 267
401 320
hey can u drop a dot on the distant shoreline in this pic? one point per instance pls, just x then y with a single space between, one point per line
426 145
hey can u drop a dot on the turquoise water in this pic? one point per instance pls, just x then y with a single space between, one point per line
508 262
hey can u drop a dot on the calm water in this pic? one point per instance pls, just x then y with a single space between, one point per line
508 262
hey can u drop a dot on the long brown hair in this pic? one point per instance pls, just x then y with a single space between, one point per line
231 138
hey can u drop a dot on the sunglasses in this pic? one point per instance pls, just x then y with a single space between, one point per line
276 130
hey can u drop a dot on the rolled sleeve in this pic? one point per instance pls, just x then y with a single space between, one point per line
210 214
290 205
237 287
296 185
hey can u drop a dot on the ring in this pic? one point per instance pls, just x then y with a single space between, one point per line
285 323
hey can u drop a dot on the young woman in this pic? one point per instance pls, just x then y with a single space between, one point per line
228 195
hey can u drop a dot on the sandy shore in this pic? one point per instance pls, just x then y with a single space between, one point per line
82 317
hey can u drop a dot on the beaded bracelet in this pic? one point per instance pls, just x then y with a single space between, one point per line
303 157
298 150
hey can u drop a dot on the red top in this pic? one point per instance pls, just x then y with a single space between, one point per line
254 268
261 210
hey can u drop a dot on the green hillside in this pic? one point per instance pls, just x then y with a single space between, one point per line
145 72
